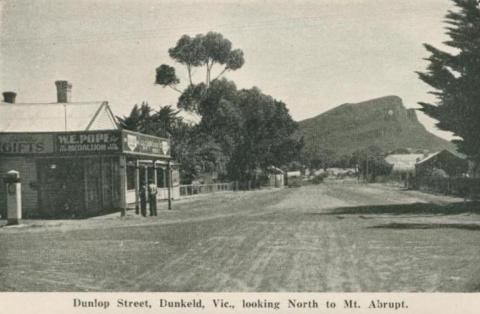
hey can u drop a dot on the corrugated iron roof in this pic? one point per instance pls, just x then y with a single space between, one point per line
428 157
274 170
404 162
458 155
48 117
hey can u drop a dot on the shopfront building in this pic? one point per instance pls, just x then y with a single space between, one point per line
78 174
75 161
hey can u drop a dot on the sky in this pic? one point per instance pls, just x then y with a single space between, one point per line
313 55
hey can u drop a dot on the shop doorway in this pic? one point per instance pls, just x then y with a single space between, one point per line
61 192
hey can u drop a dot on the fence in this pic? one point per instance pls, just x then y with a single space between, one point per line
462 187
193 189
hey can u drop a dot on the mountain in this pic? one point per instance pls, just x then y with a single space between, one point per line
384 122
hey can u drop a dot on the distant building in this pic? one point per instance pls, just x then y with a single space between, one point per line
275 177
444 163
73 158
451 164
293 178
341 172
403 169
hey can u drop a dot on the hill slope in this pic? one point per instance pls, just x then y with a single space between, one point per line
383 122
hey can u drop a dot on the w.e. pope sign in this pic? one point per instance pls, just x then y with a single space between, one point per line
91 142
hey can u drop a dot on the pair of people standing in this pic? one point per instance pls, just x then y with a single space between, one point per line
148 193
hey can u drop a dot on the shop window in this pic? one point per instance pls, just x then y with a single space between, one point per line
150 174
142 175
175 177
160 178
131 178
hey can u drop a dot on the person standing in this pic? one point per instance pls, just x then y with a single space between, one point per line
143 199
152 197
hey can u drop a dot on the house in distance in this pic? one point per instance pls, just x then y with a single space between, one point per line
449 163
409 168
403 167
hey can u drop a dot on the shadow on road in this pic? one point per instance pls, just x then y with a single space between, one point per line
402 209
405 226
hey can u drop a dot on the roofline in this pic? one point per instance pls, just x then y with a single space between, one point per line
430 156
437 153
403 155
95 116
58 103
110 111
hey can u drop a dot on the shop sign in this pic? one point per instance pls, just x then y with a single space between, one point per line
145 145
91 142
26 144
114 141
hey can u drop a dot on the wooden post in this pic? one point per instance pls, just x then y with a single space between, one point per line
145 169
102 182
85 183
164 177
137 187
123 184
114 169
155 179
145 172
169 189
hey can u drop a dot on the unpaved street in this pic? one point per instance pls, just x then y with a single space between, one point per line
329 237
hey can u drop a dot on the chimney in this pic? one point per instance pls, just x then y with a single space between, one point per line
9 97
64 90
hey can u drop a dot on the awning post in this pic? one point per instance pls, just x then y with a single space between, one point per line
169 189
137 187
155 179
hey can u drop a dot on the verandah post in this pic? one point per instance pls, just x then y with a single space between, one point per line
137 187
169 189
123 184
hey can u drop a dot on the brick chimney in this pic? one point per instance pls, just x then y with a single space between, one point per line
64 90
9 97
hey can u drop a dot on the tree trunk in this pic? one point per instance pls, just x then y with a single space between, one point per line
189 68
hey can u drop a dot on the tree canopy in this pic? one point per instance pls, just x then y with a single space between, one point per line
264 134
455 78
371 163
240 131
145 119
199 51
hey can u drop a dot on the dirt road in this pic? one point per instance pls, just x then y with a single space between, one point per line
330 237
